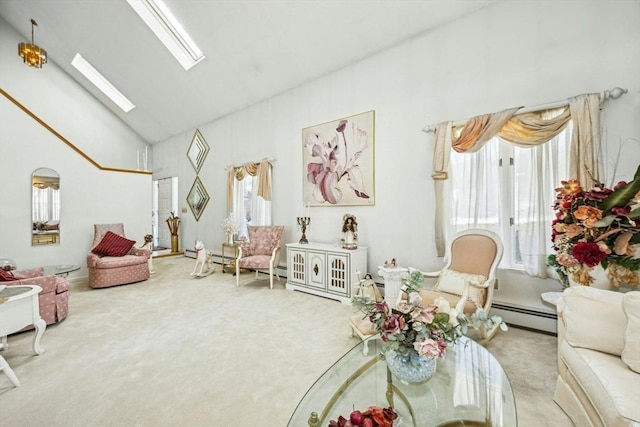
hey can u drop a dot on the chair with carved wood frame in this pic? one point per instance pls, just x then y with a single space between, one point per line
359 323
468 279
262 252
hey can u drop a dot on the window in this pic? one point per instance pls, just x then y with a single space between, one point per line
248 208
510 190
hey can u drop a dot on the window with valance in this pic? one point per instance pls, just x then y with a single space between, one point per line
498 171
249 194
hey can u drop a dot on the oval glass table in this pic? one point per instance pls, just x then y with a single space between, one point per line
469 388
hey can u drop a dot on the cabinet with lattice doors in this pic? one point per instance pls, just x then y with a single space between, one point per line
325 270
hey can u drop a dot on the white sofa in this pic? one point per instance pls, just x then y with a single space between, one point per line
599 357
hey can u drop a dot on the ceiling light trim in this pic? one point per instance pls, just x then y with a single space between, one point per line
166 27
101 82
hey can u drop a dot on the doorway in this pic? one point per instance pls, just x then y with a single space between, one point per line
165 201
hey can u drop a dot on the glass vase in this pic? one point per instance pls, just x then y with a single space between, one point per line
411 367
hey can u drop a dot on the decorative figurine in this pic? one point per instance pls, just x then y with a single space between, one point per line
148 244
350 230
204 259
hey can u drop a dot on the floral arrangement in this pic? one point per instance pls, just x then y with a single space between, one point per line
600 226
174 223
373 416
426 329
230 225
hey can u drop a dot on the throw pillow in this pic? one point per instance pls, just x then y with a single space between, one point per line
631 349
113 245
593 319
453 282
6 276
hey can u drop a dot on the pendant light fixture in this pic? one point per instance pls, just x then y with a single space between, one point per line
32 54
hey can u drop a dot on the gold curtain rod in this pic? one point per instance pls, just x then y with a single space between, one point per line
270 160
607 94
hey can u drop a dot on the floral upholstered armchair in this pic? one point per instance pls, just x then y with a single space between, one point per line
262 252
113 260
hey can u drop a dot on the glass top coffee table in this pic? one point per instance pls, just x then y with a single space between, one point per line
469 388
60 270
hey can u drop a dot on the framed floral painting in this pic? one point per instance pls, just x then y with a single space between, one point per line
338 160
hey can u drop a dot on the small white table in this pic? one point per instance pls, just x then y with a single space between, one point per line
393 280
19 307
551 297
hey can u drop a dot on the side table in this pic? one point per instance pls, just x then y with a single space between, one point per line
232 264
551 297
393 280
19 307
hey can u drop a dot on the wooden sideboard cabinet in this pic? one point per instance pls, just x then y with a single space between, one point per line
325 270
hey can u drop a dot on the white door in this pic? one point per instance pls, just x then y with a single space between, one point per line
165 206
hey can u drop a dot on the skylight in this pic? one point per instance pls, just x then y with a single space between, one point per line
101 83
167 28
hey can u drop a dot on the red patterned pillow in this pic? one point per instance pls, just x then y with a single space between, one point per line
113 245
6 276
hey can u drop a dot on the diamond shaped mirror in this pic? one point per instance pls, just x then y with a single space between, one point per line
197 150
197 198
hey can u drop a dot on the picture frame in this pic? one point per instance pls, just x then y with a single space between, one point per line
198 151
197 198
339 162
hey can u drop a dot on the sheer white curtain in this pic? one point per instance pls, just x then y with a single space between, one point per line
482 194
526 130
538 171
250 189
474 189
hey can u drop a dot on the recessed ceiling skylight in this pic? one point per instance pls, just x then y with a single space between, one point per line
102 83
166 27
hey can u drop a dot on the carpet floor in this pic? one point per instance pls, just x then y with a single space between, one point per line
182 351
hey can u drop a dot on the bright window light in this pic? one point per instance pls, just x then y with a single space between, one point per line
165 26
101 83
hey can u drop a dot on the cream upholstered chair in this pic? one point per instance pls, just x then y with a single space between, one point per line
359 322
468 279
262 252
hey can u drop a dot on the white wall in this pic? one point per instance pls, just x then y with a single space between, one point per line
88 195
512 53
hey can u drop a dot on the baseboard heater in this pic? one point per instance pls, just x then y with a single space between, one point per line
526 317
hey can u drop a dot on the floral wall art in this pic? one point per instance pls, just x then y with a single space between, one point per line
338 158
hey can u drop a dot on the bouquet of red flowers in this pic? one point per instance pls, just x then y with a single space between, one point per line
600 226
373 416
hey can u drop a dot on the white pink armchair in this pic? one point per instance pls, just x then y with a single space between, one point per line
105 271
262 252
54 298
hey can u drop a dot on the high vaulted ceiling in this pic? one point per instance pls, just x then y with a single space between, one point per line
253 49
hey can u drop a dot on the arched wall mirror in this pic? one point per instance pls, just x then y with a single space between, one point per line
45 207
